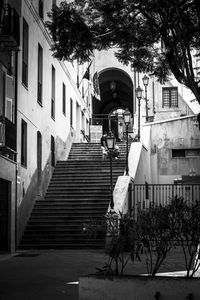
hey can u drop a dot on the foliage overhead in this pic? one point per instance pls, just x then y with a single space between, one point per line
135 29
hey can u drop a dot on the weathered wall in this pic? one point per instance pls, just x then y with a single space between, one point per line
175 134
163 113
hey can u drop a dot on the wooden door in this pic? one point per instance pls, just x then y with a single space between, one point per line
4 206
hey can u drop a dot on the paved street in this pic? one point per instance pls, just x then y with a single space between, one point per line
50 274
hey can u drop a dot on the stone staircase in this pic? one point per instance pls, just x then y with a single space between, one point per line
79 192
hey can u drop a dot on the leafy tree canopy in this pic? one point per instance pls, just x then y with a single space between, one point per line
137 29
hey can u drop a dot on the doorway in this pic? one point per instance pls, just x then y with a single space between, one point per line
117 125
5 194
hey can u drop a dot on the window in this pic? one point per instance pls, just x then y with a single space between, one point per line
39 152
25 53
40 74
8 96
41 9
179 153
52 151
192 152
71 112
53 77
64 99
23 143
170 97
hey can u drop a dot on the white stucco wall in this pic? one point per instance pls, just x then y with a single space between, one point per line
120 194
37 117
106 58
139 158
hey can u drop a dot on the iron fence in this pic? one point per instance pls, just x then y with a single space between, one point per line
144 196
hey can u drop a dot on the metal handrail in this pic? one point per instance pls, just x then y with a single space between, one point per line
85 136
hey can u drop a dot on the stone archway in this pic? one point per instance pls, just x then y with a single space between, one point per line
116 92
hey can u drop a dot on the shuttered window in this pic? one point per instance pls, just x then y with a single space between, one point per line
170 97
25 43
53 92
64 99
40 74
24 143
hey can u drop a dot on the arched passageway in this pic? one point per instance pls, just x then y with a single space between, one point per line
116 93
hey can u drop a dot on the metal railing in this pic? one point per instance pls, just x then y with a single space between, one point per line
85 136
144 196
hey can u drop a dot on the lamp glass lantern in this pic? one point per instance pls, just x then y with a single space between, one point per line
145 80
132 68
139 92
110 141
113 85
127 116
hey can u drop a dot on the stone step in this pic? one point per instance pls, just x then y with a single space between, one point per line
76 197
71 202
56 245
66 213
81 181
78 193
82 188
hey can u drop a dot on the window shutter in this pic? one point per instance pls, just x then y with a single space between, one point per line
9 97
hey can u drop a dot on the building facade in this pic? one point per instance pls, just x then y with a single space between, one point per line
175 151
44 106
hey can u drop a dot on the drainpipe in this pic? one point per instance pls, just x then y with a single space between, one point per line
16 172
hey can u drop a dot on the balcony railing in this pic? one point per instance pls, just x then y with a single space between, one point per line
144 196
7 136
9 28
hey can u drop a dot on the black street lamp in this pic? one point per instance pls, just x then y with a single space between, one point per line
139 96
127 118
145 80
110 142
2 14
